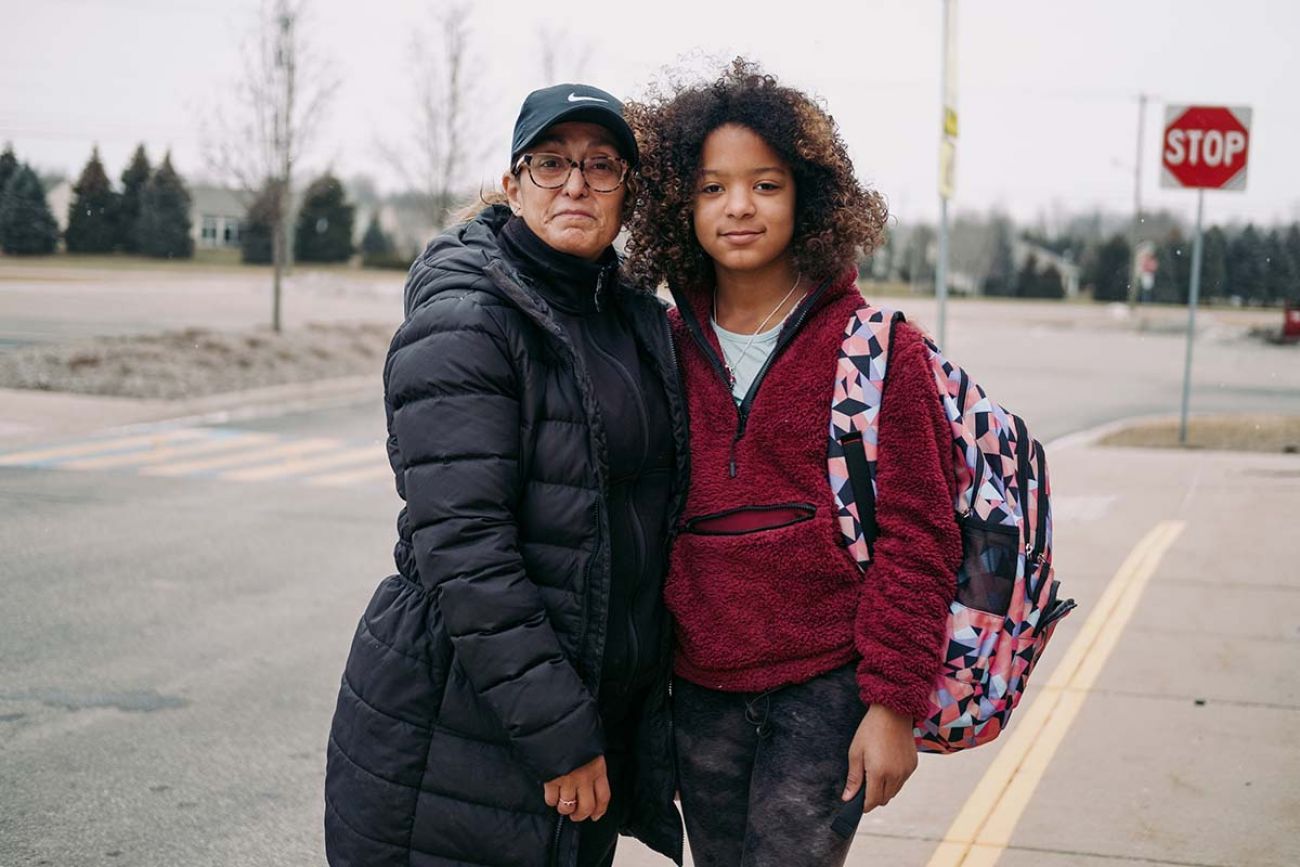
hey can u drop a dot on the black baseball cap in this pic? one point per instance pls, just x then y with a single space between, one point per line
544 108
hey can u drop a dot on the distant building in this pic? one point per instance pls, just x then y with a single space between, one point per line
59 198
1021 250
216 215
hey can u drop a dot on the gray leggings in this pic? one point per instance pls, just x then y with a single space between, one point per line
761 773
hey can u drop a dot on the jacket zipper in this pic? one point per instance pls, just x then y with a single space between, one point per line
554 860
742 410
525 303
551 327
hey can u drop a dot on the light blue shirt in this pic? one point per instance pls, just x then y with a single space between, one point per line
745 364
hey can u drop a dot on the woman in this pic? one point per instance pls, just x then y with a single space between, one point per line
796 682
505 700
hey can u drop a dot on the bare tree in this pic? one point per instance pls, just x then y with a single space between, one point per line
562 55
280 101
446 137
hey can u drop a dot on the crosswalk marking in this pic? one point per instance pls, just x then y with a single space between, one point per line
369 454
97 446
289 449
165 453
220 453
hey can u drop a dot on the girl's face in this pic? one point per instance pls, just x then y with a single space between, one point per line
744 201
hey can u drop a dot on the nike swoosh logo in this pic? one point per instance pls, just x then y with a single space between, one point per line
573 97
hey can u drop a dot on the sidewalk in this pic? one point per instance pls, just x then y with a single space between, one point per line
1186 747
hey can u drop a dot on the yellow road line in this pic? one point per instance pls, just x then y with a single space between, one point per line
983 827
380 472
162 452
300 447
369 454
91 447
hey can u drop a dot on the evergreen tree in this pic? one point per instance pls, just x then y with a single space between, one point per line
324 229
256 232
1281 270
1049 284
1292 244
26 225
1214 268
1000 279
8 165
1246 265
134 179
1174 272
377 250
92 215
1108 270
163 229
1027 278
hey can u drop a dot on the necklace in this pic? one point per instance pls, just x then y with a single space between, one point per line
727 362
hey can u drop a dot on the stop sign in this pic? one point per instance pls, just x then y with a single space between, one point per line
1205 146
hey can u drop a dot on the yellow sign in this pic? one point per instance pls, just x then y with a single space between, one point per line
947 167
948 141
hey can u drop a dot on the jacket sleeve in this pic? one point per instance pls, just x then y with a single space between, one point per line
903 610
453 390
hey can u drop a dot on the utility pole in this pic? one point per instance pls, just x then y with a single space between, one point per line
1134 277
285 64
947 158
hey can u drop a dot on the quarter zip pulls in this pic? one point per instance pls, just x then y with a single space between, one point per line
694 306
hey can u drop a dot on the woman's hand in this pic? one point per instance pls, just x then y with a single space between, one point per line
883 750
580 794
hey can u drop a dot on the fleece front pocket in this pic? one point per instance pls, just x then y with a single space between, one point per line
988 570
750 519
778 592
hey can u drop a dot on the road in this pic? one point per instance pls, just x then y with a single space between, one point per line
176 611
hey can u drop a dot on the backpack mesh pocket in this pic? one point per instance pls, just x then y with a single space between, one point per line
988 570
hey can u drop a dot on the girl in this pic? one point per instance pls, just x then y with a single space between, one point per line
797 682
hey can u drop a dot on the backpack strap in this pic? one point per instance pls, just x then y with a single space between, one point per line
863 362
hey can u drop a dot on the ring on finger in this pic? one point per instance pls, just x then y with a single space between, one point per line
564 803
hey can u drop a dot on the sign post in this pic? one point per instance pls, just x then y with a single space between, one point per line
947 158
1203 148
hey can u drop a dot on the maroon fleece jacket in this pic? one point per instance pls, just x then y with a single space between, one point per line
759 609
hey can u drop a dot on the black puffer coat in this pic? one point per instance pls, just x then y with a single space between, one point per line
473 673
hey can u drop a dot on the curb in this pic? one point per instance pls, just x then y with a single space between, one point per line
1090 436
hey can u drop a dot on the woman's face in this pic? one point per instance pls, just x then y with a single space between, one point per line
573 219
744 201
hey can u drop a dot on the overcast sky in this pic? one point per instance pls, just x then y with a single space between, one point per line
1047 88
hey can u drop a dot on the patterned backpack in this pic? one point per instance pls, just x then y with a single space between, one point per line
1006 606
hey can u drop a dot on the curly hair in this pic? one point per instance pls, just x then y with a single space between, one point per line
835 215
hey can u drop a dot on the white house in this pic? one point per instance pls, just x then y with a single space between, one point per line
216 214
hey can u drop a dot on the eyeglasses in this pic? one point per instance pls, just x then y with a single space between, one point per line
551 171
